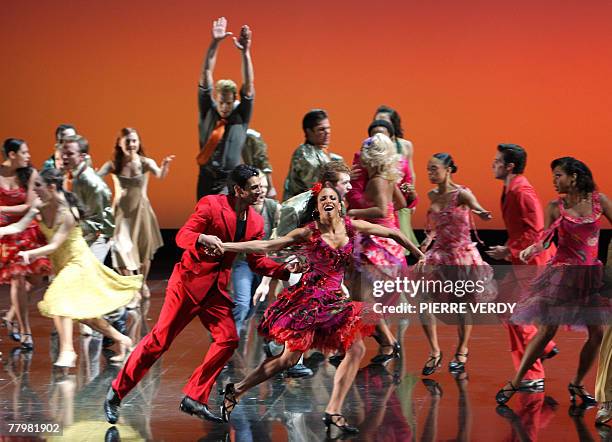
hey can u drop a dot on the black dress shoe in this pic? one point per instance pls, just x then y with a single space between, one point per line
111 406
195 408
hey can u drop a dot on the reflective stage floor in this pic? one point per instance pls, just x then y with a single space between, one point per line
390 403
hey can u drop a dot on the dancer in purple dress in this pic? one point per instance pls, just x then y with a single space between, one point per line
315 313
567 292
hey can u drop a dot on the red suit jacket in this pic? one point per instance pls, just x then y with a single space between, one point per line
524 220
214 215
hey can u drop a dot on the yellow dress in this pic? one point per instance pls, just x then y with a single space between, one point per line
83 287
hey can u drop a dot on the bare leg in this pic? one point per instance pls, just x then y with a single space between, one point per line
464 331
267 369
431 332
144 270
344 377
19 302
63 325
589 353
387 339
534 350
107 330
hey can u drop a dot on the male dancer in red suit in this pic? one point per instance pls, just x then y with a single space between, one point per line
524 220
197 287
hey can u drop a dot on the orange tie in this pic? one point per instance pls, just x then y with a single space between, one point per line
68 182
208 149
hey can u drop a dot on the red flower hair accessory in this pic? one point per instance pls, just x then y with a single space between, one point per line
316 188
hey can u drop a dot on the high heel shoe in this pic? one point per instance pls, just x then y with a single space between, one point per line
334 430
229 402
578 390
456 366
66 359
501 397
12 329
26 342
384 358
432 364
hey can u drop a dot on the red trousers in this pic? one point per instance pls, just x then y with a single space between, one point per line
520 335
215 313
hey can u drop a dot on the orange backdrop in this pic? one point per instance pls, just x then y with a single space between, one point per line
464 75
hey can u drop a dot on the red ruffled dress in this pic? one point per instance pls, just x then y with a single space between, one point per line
10 264
315 313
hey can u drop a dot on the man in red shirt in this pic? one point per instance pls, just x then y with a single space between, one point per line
524 220
197 288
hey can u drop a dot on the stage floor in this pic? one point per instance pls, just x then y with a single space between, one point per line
389 403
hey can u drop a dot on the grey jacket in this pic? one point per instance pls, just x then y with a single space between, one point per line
95 197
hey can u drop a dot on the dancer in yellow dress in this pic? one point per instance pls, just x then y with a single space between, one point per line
83 288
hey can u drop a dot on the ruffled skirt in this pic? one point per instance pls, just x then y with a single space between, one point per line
566 295
306 317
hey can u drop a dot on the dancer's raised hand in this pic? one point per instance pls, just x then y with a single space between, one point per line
243 42
219 29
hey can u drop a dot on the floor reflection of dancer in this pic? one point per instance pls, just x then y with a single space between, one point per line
83 288
450 221
315 313
524 221
464 409
16 194
197 288
566 291
534 413
137 235
378 259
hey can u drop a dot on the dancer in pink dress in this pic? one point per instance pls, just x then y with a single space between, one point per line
568 290
372 198
454 255
315 313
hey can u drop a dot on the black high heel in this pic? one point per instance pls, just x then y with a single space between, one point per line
384 358
432 364
334 430
27 343
456 366
578 390
12 329
501 397
229 395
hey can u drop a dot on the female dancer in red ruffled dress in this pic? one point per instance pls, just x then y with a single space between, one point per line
567 292
454 255
16 194
315 313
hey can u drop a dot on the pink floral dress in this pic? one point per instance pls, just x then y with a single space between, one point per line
568 291
453 255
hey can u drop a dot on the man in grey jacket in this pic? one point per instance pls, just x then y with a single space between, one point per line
98 223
